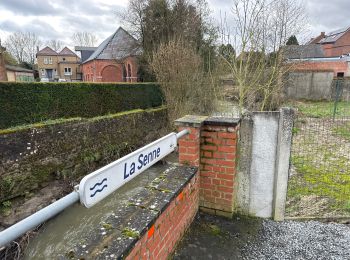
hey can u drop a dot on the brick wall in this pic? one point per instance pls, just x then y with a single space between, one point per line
212 145
109 70
218 169
335 66
162 237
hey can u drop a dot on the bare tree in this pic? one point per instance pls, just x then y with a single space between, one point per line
187 87
56 45
260 29
85 39
23 46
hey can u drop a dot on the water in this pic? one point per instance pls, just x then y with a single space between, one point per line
63 232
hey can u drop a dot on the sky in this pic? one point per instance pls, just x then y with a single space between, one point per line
59 19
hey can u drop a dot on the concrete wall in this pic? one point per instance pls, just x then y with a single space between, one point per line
309 85
262 178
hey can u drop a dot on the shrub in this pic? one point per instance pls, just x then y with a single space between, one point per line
25 103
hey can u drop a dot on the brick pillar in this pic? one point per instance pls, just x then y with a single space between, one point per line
211 146
189 145
218 165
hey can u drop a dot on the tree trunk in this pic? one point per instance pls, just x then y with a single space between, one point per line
3 74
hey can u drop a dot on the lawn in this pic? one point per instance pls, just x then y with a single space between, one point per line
319 184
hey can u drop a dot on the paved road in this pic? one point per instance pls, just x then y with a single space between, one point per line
218 238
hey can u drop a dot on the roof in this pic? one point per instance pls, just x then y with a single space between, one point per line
116 47
334 36
67 52
18 69
46 51
303 51
83 48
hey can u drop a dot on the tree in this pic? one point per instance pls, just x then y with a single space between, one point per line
187 87
227 52
156 22
23 46
3 74
85 39
292 40
261 29
56 45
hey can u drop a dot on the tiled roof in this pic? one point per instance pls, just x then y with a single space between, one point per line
46 51
117 47
66 52
303 51
334 36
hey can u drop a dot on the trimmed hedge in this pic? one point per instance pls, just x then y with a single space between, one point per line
25 103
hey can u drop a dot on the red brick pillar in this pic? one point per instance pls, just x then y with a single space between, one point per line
189 145
218 165
211 146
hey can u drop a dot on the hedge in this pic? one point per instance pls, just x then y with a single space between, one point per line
26 103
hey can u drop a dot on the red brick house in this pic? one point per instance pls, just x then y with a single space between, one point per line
114 60
335 43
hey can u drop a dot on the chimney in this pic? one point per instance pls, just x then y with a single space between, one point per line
37 48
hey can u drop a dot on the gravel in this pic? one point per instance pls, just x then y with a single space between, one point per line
211 237
300 240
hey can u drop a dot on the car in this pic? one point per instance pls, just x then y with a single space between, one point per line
62 80
44 80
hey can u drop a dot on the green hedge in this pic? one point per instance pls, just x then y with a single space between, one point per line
24 103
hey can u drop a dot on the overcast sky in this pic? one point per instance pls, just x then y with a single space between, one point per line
59 19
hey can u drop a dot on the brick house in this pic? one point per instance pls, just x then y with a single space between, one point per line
62 65
114 60
312 57
335 43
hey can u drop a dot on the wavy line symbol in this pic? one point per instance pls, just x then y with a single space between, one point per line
98 185
97 191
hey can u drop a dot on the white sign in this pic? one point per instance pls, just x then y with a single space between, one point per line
99 184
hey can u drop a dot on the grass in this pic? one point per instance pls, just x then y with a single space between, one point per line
331 180
76 119
320 109
343 130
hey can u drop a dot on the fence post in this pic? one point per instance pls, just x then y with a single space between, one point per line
283 152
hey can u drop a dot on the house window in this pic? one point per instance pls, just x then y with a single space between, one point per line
48 60
67 71
42 72
64 59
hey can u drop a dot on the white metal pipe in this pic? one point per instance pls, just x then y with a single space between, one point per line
182 133
18 229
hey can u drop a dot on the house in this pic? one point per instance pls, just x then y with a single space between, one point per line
62 65
114 60
335 43
326 52
3 75
19 74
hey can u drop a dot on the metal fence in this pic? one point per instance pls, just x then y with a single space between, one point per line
319 182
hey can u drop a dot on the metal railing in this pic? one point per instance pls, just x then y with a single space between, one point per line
83 192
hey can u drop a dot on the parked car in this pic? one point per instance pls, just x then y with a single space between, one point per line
44 80
62 80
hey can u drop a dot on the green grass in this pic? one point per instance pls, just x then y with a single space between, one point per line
343 130
320 109
331 179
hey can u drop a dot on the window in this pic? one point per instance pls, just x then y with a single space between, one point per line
42 72
64 59
67 71
48 60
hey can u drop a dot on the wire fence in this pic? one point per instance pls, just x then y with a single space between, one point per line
319 183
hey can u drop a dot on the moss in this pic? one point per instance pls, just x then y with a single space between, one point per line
127 232
107 226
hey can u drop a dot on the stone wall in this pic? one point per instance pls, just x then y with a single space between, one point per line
35 156
309 85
